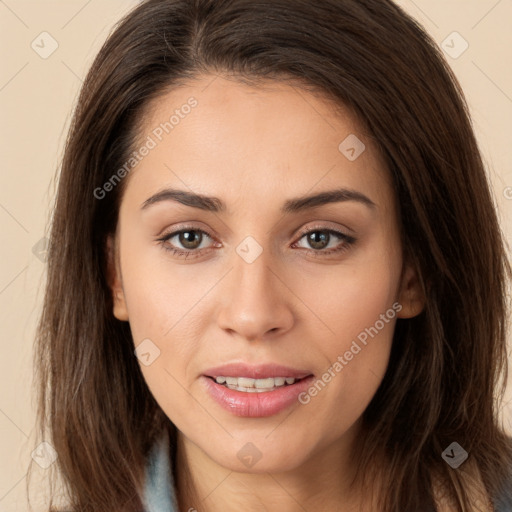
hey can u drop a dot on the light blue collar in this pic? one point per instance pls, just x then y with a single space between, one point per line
159 492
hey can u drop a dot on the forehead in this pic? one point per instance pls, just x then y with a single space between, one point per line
217 135
224 103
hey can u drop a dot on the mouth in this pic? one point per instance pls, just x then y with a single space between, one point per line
255 397
255 391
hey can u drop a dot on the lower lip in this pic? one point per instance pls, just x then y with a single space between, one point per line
256 405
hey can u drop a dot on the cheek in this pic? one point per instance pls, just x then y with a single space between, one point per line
352 296
358 304
167 310
161 296
166 319
174 323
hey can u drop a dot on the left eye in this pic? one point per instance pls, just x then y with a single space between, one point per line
319 240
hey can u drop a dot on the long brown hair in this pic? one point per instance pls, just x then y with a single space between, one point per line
448 365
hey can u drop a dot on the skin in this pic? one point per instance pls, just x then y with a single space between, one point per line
254 148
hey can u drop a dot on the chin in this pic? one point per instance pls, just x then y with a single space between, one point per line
252 458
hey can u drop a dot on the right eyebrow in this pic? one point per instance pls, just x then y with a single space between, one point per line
208 203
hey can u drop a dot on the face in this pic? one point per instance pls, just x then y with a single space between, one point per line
220 259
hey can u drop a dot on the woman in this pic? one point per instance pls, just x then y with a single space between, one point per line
276 278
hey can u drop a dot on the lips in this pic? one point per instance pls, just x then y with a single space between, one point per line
243 389
261 371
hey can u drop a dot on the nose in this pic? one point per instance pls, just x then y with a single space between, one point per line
256 300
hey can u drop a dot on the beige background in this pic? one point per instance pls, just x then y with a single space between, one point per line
36 97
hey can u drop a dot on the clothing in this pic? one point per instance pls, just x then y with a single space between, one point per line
160 495
503 502
159 492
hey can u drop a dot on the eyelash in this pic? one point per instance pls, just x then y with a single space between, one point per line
347 240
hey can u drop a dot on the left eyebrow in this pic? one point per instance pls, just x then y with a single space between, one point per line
214 204
329 196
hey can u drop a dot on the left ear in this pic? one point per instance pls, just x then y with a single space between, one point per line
411 296
115 282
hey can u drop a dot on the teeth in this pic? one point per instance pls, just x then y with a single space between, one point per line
254 385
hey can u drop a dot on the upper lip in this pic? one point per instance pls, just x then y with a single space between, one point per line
260 371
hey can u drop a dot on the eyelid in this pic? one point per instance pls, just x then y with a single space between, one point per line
176 230
325 227
183 227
